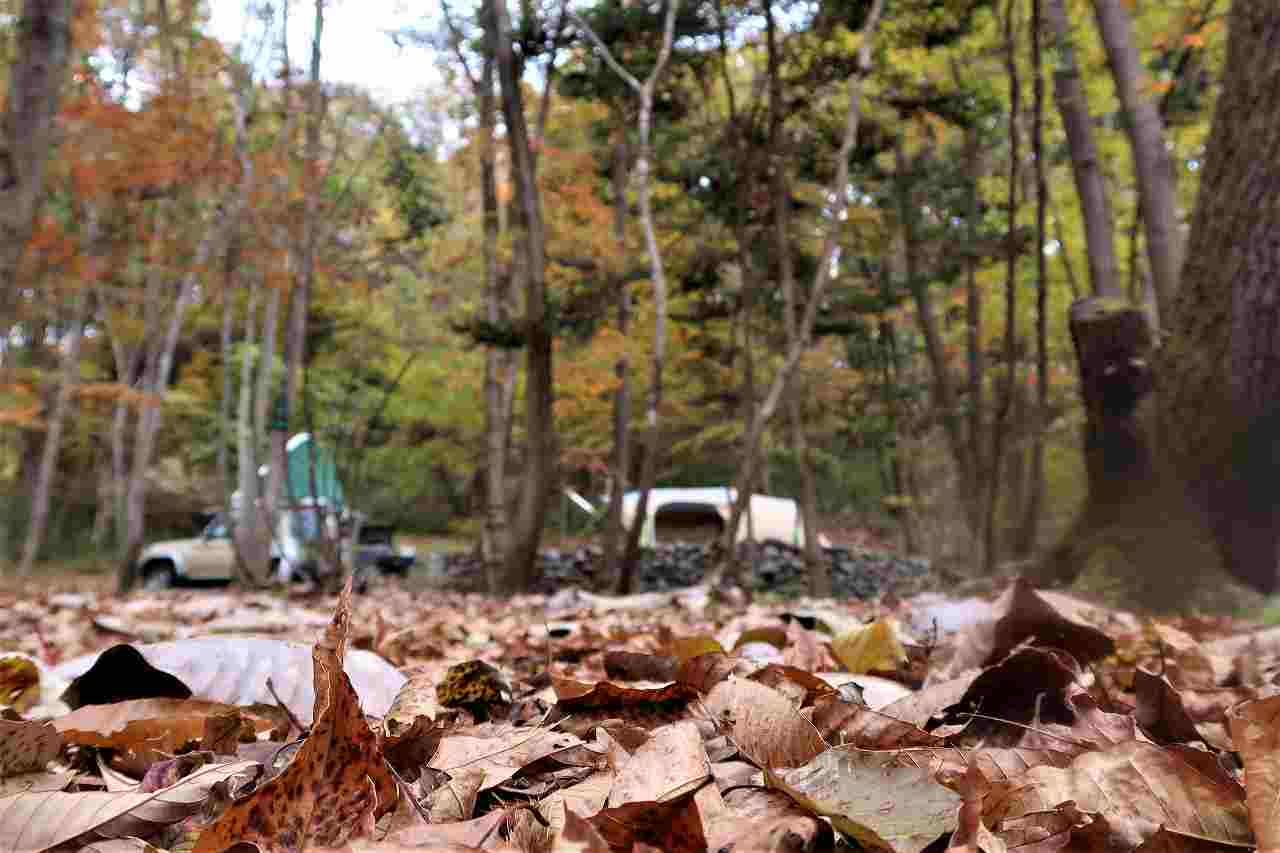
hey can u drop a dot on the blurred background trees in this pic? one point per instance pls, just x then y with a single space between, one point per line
456 292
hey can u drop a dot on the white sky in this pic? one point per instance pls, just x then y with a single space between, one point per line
356 47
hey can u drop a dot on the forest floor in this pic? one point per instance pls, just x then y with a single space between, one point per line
687 720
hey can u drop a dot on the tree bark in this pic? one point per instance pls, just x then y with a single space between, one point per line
1000 423
657 275
67 381
1219 420
1095 203
1184 483
27 134
530 247
1025 538
822 277
818 570
615 538
295 349
252 544
1157 187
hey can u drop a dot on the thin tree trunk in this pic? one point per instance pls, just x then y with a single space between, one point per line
53 436
1157 187
1095 204
818 571
1025 540
224 340
530 250
295 348
27 132
620 462
497 417
657 274
1000 426
822 277
252 547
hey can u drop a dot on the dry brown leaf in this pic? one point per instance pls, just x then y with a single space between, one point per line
621 665
758 820
846 724
672 826
671 759
1160 711
152 725
882 807
27 746
765 725
417 698
1024 616
1255 729
1137 787
36 783
785 678
34 822
337 784
500 750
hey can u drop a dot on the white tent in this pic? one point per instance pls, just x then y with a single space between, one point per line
771 519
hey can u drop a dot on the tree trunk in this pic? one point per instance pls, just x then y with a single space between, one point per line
252 535
295 347
615 536
230 266
1184 484
530 248
1025 538
822 276
1095 203
1157 187
1226 319
1000 423
657 275
497 418
27 134
69 378
817 568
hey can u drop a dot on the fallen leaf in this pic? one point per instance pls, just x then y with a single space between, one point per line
27 746
765 725
337 784
1255 729
882 807
1137 787
34 822
235 670
870 647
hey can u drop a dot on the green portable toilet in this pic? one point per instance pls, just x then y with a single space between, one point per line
299 451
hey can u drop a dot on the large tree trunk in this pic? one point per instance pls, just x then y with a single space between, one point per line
1226 319
1157 188
530 249
67 381
1184 483
252 536
1095 203
27 132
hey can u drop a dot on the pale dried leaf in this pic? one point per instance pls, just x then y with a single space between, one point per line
33 822
27 746
764 724
900 809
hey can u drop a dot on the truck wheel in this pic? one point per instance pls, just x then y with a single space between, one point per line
157 575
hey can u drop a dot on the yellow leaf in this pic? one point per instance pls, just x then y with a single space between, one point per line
870 647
